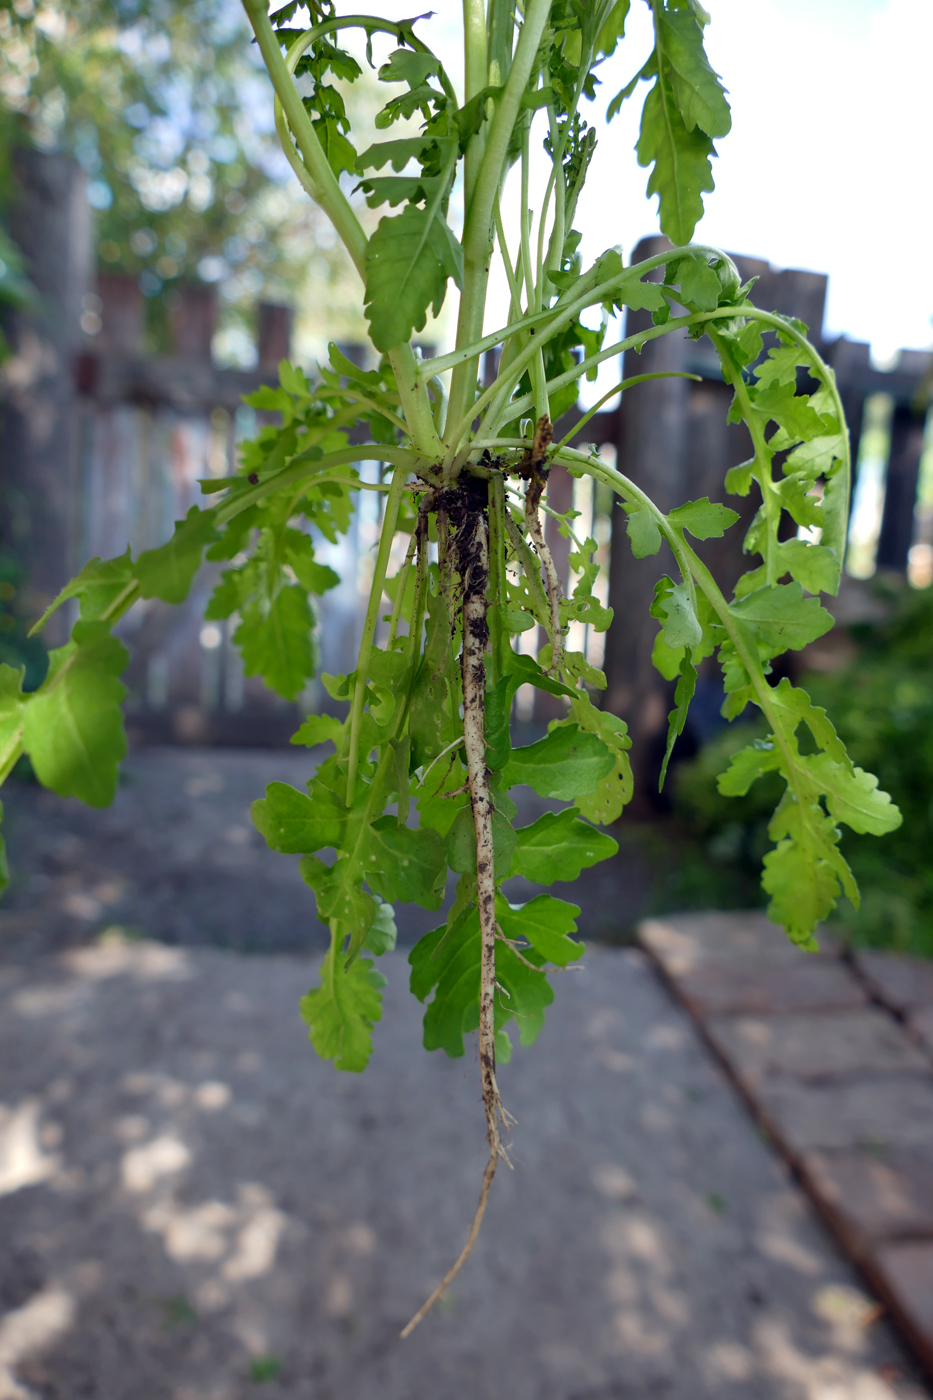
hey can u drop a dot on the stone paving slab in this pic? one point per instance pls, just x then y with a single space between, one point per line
844 1088
836 1044
817 985
921 1023
901 983
724 939
907 1270
875 1113
187 1194
875 1195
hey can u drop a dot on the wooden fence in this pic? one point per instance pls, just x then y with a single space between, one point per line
102 446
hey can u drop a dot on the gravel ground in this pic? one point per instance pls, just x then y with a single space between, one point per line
193 1207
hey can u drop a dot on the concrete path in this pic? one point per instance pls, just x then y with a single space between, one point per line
177 858
195 1208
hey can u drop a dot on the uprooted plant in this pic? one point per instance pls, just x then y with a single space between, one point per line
418 782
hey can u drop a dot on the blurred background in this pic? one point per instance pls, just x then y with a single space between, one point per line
157 260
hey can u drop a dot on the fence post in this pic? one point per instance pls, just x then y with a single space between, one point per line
274 338
51 222
194 320
122 314
900 489
651 451
850 360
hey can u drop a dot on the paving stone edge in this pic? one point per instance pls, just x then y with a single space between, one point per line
863 1252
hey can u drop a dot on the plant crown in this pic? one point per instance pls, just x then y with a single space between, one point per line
418 779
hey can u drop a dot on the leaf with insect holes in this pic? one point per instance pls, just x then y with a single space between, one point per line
558 846
566 764
73 727
341 1012
168 572
604 803
791 706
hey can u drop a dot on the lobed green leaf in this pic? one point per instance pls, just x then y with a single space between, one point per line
566 764
168 572
341 1012
73 728
557 847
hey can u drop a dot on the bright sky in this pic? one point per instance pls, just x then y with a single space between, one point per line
829 162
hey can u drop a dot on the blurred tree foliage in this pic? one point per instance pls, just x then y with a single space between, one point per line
882 706
167 107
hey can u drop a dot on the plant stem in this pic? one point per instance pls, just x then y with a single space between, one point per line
474 80
322 184
630 492
402 586
393 501
478 227
620 389
400 457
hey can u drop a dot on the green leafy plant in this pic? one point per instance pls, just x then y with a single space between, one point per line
882 704
419 777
